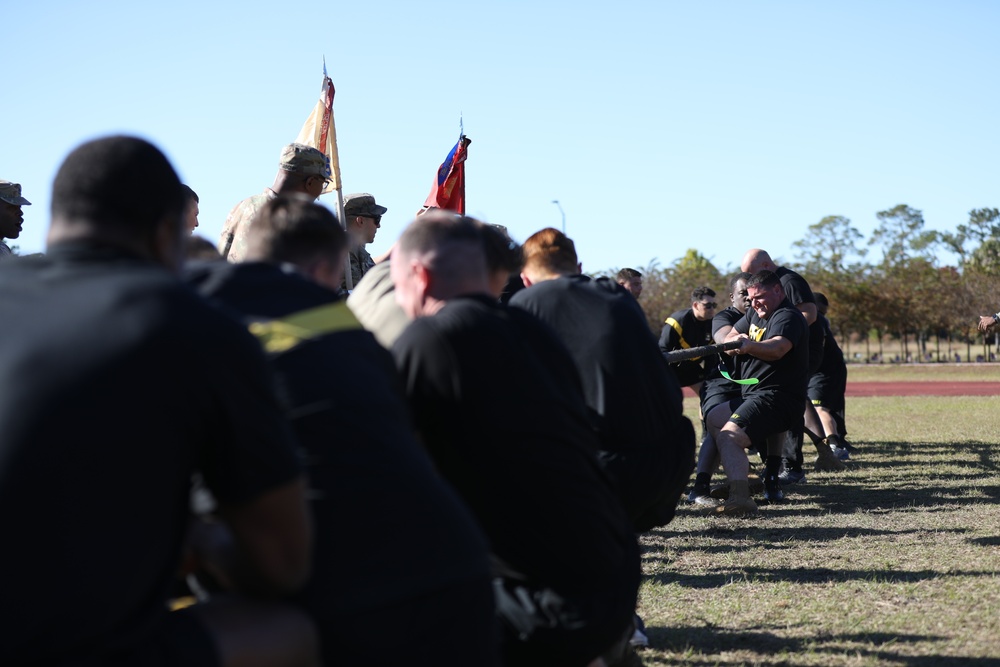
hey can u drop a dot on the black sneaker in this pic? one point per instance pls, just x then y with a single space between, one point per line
789 477
699 494
772 490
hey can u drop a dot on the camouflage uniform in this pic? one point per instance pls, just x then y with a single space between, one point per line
361 204
361 263
233 243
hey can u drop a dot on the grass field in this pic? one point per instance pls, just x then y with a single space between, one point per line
894 562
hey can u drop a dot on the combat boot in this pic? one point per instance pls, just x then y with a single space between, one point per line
827 460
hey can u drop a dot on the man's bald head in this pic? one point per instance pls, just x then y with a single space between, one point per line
438 257
756 260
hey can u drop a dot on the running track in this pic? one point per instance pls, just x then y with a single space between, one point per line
931 388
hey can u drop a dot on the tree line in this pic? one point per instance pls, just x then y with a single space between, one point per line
904 295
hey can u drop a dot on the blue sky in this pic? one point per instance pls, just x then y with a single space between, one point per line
658 126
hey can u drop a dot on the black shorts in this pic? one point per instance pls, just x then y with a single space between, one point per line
763 414
827 391
717 391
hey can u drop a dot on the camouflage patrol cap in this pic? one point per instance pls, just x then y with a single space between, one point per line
362 203
11 193
304 160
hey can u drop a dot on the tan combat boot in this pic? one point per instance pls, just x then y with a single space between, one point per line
739 502
827 461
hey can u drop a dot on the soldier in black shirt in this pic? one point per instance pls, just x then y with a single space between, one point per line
499 406
827 387
119 383
800 295
691 327
718 389
774 352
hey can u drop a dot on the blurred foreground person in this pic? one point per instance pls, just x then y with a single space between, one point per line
498 404
192 210
647 444
119 383
394 543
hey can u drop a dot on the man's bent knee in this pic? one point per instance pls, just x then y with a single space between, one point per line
256 634
735 434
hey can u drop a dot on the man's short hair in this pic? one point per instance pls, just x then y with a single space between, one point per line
764 279
821 299
198 248
742 275
294 230
550 251
449 245
120 184
502 252
626 275
699 292
190 194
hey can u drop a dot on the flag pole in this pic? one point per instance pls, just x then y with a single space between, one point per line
320 132
348 278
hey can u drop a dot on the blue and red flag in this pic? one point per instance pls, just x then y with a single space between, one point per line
448 191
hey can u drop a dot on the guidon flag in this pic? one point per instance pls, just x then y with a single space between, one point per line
320 132
448 191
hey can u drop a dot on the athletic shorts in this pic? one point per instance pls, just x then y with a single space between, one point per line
762 414
717 391
826 391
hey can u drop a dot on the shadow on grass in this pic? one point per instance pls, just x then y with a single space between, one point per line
850 496
708 643
777 538
801 575
890 451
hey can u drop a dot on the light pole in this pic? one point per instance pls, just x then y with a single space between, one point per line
563 213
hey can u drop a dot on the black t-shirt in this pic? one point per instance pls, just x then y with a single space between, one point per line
497 402
635 401
715 383
387 527
833 357
789 374
681 331
797 291
118 383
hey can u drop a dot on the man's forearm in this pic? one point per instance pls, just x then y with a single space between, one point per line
768 350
